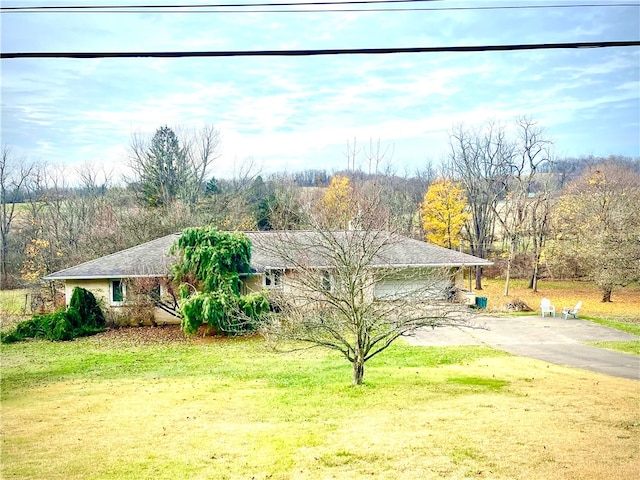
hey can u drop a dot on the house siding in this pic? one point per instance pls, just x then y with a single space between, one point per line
253 283
151 259
101 290
163 318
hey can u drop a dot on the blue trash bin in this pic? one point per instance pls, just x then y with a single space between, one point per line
481 302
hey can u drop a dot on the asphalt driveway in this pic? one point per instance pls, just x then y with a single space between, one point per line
553 340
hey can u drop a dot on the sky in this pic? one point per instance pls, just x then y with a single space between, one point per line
295 113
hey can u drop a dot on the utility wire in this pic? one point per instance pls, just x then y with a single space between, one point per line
213 5
300 53
266 7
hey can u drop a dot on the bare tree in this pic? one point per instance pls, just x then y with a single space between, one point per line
351 153
539 227
481 161
65 219
93 180
401 196
517 213
203 149
244 174
371 169
329 300
14 175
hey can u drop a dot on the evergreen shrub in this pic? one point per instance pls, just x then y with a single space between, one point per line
210 264
83 317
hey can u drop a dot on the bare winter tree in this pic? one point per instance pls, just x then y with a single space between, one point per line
371 167
481 160
521 205
329 298
14 175
93 180
65 219
539 225
203 147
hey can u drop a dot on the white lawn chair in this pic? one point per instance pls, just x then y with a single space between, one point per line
566 311
546 307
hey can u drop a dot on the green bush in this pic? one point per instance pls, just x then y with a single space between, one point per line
223 313
254 306
85 303
83 317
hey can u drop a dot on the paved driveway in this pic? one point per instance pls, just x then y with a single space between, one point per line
553 340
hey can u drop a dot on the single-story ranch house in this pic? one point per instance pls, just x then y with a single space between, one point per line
107 277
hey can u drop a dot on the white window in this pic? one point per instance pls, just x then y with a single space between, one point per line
273 278
117 292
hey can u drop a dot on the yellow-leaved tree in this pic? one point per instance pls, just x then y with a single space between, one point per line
338 204
444 213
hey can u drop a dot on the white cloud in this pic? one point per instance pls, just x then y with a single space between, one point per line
299 112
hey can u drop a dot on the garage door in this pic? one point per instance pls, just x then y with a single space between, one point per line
394 288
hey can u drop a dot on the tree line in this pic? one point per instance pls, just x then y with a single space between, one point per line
501 194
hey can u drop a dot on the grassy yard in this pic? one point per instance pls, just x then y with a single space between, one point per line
625 305
147 404
14 302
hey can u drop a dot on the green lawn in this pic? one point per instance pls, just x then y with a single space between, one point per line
633 328
632 347
13 302
126 405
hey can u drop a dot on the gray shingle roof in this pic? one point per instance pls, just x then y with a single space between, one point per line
398 251
151 259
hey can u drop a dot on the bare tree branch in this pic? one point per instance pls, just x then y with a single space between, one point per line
332 296
14 176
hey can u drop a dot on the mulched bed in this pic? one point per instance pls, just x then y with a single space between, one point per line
143 335
147 335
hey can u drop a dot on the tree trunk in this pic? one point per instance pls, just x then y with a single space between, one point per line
606 294
358 371
478 278
507 278
508 272
537 253
533 282
4 250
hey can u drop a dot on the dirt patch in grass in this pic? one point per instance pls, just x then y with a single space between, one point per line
239 411
143 335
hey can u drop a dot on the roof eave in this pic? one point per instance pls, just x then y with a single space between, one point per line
102 277
424 265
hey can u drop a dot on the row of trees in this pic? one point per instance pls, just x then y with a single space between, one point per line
501 194
48 223
508 198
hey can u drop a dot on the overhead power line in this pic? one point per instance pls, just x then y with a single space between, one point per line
338 51
211 5
266 7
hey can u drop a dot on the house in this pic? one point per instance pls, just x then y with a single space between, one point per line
274 259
